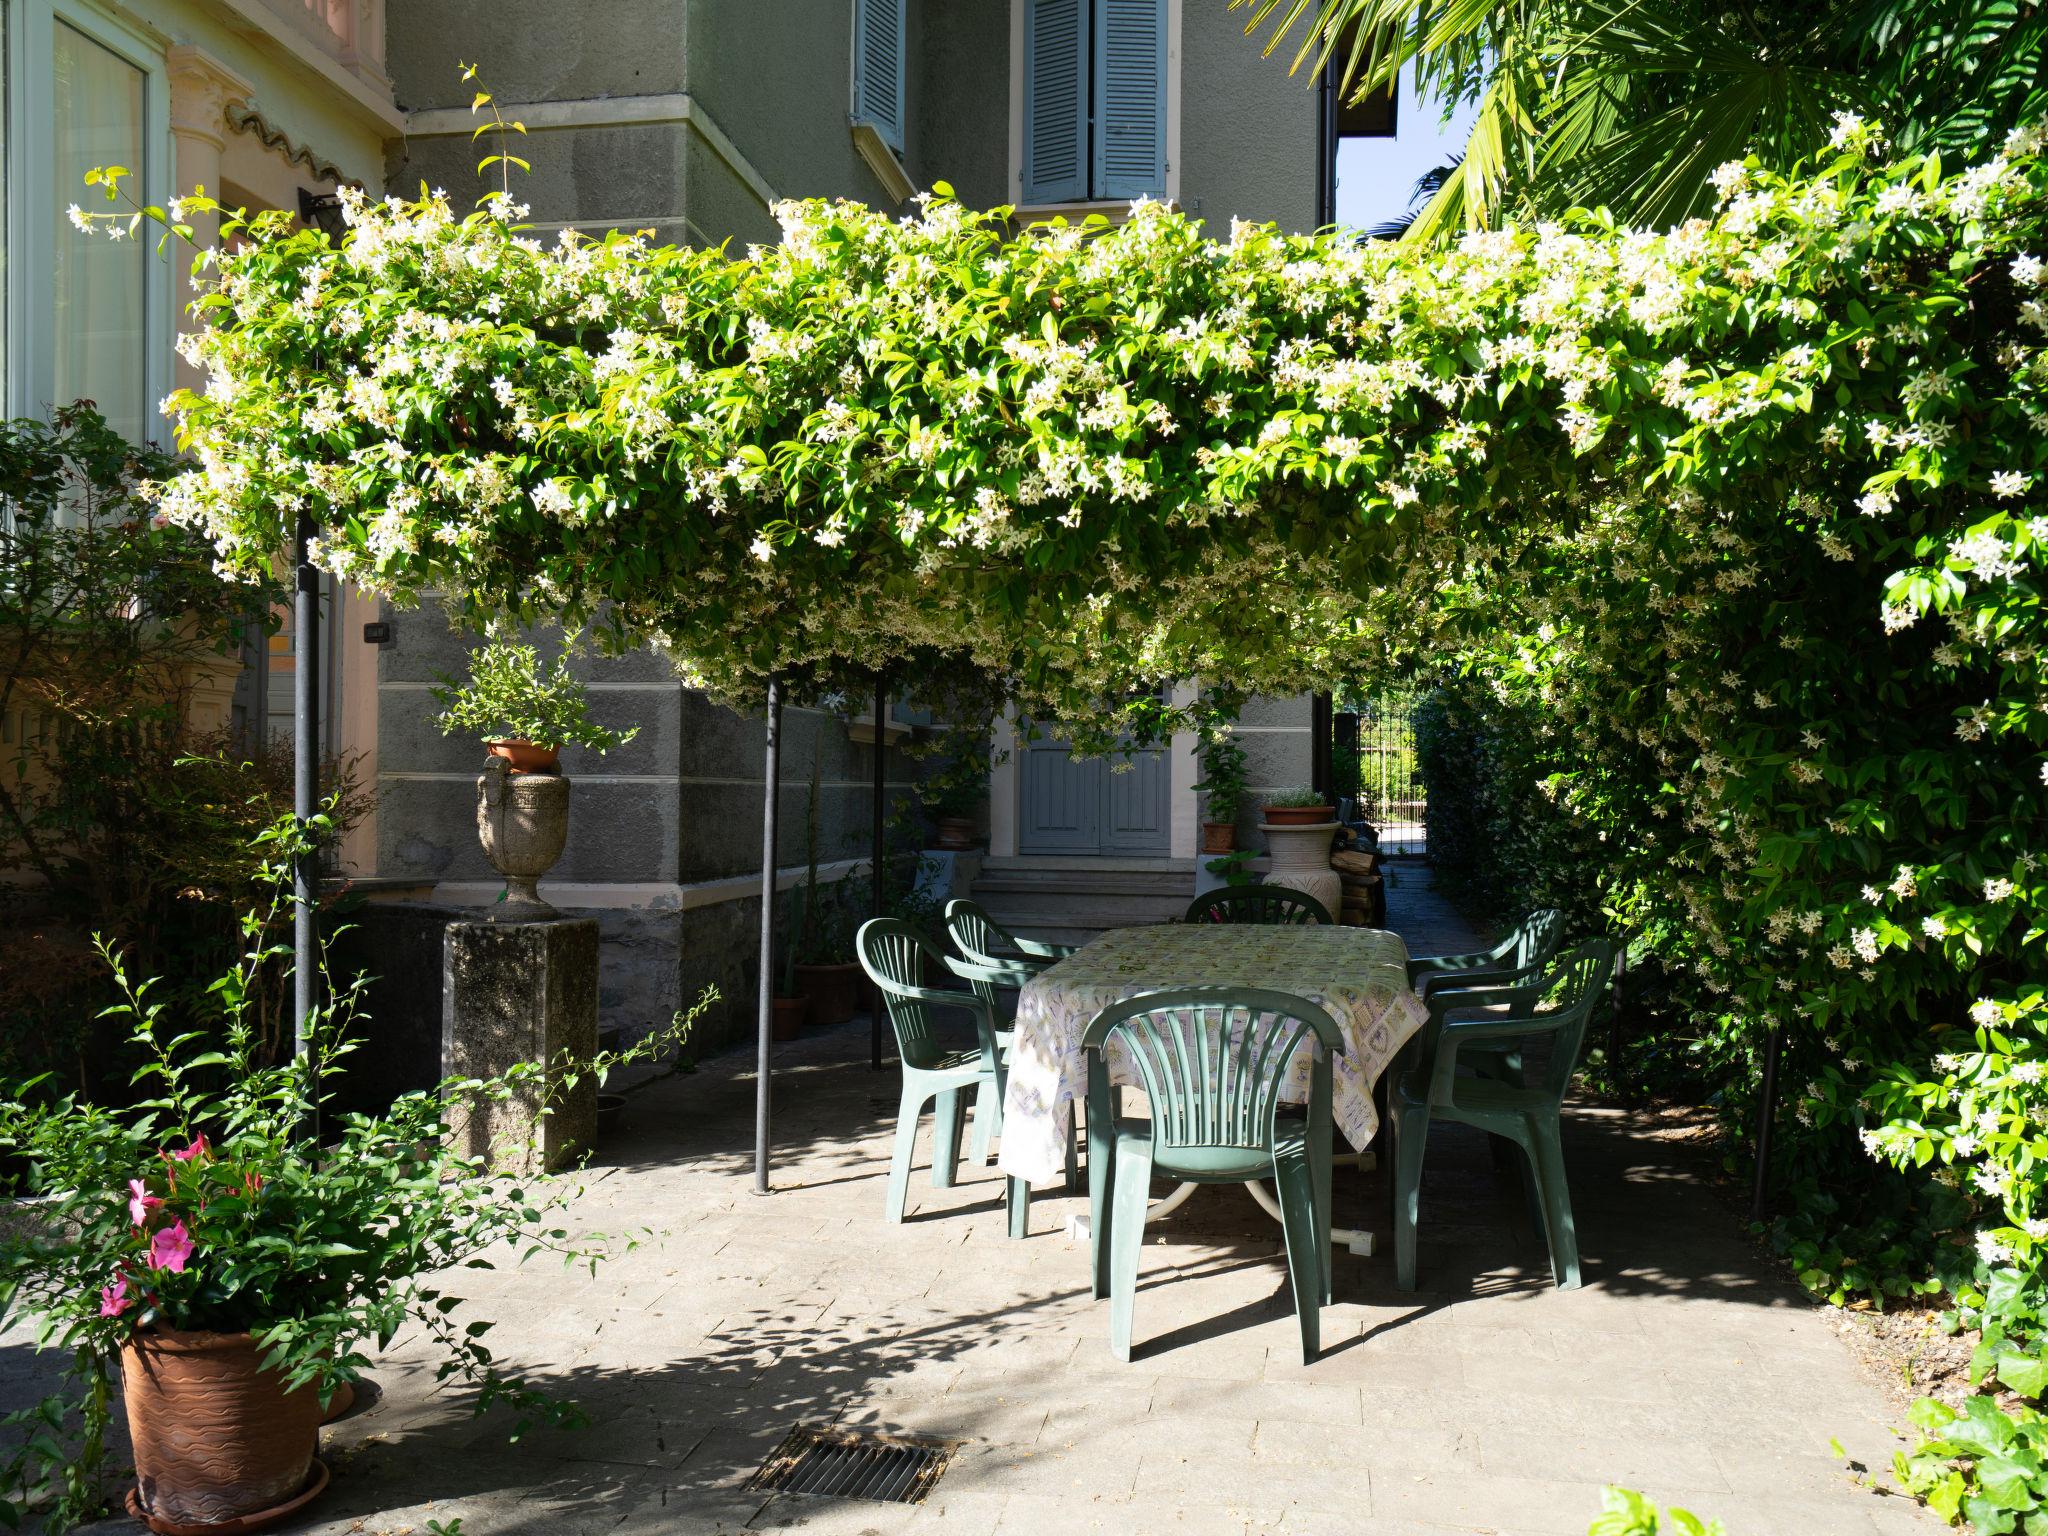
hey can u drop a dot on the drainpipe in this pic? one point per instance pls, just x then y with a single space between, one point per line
305 793
771 787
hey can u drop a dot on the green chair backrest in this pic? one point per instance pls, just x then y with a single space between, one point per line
1537 936
1212 1061
977 935
894 954
1274 904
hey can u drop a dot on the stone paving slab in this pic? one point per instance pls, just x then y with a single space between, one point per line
1486 1403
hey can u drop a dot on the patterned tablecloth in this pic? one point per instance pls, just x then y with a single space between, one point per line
1359 974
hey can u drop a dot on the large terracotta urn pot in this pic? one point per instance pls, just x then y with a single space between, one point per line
523 820
1301 860
217 1438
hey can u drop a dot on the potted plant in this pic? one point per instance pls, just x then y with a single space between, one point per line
235 1262
525 713
1298 808
951 796
1223 781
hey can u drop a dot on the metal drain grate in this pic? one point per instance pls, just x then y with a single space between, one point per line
855 1464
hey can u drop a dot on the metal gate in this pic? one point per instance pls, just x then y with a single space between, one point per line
1374 762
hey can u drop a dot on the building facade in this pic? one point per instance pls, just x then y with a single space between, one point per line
689 119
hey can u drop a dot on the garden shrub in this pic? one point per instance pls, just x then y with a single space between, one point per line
126 817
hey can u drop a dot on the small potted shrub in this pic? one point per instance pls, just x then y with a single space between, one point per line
1223 781
235 1263
525 713
951 797
1298 808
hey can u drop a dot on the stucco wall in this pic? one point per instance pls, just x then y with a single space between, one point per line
1248 129
959 88
534 50
778 78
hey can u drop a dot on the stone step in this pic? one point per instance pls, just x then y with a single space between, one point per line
1070 900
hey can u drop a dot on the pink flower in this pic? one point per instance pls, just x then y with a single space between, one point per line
141 1202
199 1148
171 1248
114 1299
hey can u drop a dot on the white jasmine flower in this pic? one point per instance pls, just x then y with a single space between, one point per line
2008 483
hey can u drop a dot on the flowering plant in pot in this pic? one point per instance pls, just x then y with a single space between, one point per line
1298 808
237 1263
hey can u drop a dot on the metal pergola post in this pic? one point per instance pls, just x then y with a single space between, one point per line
1767 1109
305 789
877 853
771 788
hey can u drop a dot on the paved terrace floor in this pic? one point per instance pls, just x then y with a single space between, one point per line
1485 1403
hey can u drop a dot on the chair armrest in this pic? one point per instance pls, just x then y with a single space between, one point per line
1038 949
1507 976
1444 1001
1423 965
1453 1033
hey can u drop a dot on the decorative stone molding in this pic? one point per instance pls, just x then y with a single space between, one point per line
246 119
203 90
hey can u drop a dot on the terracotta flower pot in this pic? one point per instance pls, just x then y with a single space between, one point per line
955 832
1299 815
833 990
217 1438
1219 836
789 1016
525 756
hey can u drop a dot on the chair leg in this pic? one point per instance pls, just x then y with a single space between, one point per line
946 1111
1127 1237
908 1108
1073 1166
1308 1246
1547 1150
1017 1200
1101 1193
1411 1139
1322 1173
987 1106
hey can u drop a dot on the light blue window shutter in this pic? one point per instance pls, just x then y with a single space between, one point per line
1055 101
878 48
1130 99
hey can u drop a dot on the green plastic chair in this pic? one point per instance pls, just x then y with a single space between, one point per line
1212 1074
1427 1087
1279 905
988 982
987 942
1534 940
894 954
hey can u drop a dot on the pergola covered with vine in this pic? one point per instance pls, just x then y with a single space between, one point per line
1750 508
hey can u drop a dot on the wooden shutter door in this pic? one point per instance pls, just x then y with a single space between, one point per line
1130 99
878 47
1055 101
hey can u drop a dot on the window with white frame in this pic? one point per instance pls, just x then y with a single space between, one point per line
87 317
1094 100
878 49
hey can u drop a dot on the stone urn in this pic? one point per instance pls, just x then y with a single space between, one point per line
523 821
1301 861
